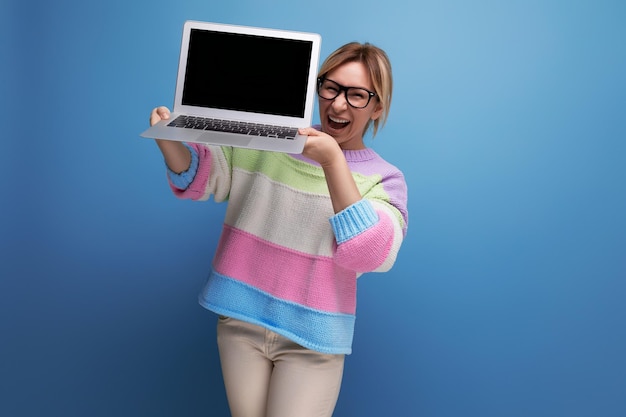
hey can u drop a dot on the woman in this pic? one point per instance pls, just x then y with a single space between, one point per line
299 230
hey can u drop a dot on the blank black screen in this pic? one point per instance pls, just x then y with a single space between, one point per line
247 73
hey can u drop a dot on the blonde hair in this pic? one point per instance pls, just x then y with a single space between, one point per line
377 65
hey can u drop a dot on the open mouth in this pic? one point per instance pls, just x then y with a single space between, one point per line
337 124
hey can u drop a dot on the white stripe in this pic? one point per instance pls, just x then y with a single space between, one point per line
278 213
219 178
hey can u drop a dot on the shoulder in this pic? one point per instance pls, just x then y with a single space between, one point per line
369 162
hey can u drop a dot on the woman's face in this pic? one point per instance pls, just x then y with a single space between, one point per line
340 120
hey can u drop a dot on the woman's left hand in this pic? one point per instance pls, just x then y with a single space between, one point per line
320 147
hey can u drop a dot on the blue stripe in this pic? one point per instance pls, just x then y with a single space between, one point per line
316 330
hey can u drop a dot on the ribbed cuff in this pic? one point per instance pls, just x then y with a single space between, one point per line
182 180
353 220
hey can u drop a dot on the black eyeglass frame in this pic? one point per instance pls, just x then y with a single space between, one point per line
345 89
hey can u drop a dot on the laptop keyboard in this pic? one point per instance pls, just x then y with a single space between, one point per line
252 129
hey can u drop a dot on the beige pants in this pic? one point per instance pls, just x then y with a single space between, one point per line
268 375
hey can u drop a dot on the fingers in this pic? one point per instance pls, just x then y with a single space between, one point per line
158 114
308 131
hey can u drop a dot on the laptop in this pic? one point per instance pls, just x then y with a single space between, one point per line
243 86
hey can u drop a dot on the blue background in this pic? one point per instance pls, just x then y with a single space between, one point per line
507 299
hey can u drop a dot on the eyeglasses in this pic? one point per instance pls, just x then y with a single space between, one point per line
355 96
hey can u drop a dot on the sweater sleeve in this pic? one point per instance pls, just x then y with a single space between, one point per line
370 232
209 174
182 180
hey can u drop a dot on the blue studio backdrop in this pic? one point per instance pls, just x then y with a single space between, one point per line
508 295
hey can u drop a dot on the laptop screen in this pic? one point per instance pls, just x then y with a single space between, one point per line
248 73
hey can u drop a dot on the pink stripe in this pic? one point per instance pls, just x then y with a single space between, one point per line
368 250
315 282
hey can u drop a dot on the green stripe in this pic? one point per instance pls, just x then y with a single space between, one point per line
303 176
292 172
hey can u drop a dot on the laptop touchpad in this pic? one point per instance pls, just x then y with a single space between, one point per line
227 140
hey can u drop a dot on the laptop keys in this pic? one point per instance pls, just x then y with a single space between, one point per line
201 123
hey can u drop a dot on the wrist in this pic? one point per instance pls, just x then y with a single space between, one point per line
333 159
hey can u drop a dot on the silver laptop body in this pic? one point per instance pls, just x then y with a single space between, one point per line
249 77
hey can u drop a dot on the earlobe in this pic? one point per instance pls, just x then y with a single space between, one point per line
377 112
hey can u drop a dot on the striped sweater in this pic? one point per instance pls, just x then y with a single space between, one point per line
285 260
